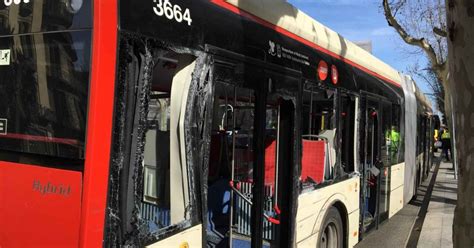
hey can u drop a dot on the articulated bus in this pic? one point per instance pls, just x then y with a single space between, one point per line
198 123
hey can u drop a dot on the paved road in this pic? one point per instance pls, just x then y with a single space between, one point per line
425 222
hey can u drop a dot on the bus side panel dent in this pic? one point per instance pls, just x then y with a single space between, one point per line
189 238
39 207
312 207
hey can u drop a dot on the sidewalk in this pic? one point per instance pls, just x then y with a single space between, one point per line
438 225
425 223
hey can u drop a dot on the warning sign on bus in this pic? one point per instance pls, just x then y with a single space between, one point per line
5 57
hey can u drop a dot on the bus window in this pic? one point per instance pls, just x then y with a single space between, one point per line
318 136
44 94
166 197
396 147
31 17
388 153
230 160
391 136
348 128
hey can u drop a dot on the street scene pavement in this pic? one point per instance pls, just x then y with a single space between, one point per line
427 221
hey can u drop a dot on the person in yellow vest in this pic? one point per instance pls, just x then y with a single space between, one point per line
436 140
446 140
394 137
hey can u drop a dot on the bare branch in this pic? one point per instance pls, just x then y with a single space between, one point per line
440 32
422 43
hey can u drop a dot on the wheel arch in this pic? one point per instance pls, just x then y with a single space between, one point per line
339 202
341 208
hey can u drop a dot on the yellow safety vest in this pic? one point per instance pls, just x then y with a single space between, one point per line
446 135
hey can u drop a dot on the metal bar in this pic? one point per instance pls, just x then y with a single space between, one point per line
311 112
259 165
231 207
239 193
277 151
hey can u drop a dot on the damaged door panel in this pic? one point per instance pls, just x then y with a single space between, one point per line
251 155
153 186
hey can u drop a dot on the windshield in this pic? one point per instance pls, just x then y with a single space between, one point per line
45 49
44 16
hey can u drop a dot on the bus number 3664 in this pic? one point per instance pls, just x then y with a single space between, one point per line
171 11
9 2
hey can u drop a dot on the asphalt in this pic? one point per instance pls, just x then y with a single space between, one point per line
427 220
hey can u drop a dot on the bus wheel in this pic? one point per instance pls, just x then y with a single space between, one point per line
330 234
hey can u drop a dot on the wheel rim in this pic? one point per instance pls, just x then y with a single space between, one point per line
329 237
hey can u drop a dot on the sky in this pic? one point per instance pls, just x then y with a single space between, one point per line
362 20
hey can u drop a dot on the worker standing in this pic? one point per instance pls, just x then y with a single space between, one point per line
446 140
394 137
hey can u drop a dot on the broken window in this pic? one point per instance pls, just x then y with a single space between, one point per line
397 143
166 193
348 132
318 136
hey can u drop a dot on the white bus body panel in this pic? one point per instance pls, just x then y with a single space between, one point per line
189 238
397 179
312 207
410 137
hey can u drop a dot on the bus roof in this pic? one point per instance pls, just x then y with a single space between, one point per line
287 17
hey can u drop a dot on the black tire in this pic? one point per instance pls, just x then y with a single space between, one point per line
331 231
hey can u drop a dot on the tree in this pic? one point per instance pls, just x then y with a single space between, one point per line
460 17
422 24
428 75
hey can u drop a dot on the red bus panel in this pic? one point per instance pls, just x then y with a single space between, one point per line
39 207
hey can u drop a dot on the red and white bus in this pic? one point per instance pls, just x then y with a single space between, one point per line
193 123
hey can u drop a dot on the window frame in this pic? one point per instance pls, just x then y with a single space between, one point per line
127 179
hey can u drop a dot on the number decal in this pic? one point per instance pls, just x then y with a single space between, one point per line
10 2
187 17
177 13
159 7
170 11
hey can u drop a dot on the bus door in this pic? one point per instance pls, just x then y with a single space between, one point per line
372 167
251 149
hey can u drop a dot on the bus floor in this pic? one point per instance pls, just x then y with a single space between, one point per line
427 220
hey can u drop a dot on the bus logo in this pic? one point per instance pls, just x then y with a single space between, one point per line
3 126
5 57
49 188
272 50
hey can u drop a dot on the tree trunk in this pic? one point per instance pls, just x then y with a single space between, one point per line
460 90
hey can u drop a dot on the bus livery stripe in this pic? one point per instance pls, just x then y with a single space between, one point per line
243 13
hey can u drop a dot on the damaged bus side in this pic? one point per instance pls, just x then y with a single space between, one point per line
198 123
